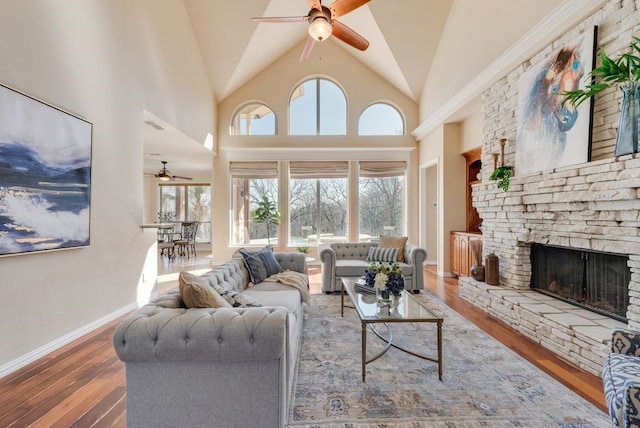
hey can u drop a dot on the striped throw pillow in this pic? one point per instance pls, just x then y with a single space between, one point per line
377 254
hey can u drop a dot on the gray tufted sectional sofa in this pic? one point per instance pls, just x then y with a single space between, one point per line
226 367
349 259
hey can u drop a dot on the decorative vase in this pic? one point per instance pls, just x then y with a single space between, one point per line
477 272
492 271
627 139
384 296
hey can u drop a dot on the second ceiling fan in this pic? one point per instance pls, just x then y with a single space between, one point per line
165 175
323 23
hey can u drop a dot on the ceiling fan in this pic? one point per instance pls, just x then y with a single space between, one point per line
165 175
323 23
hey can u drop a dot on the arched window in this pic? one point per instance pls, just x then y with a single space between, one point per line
317 107
254 119
381 119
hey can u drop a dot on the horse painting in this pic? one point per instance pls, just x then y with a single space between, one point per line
548 134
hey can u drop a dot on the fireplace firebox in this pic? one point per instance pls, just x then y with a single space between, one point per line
594 280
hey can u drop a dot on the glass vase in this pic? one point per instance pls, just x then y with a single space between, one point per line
627 139
383 296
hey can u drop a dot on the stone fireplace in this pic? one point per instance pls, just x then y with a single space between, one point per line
587 207
592 207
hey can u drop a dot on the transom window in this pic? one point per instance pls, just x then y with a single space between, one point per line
381 119
318 107
254 119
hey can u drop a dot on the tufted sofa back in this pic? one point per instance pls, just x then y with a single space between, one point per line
352 250
232 275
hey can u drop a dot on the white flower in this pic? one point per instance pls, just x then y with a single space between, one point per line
381 281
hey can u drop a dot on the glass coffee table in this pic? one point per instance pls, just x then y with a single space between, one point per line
408 310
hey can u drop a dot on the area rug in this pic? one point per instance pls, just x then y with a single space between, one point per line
484 383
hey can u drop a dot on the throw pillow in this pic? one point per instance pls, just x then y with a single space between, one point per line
261 264
236 299
197 293
382 254
394 242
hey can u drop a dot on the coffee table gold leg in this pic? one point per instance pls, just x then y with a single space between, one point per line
342 299
440 350
364 350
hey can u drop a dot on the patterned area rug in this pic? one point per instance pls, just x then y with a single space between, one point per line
484 383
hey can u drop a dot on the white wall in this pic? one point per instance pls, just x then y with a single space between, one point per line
106 61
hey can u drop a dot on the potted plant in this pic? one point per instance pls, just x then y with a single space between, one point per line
502 174
267 213
625 72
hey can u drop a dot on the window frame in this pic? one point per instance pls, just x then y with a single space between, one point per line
387 104
318 107
238 110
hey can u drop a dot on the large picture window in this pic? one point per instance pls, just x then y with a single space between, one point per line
250 182
318 203
382 199
318 107
188 202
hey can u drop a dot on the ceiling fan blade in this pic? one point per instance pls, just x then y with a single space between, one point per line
349 36
306 51
281 19
342 7
173 177
314 4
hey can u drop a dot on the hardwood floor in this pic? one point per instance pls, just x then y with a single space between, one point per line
83 383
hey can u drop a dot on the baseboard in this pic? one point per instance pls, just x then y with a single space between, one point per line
36 354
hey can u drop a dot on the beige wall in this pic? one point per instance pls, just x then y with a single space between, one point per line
273 87
104 60
476 33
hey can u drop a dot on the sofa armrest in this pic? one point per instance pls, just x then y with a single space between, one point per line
153 333
625 342
416 256
630 406
292 261
327 256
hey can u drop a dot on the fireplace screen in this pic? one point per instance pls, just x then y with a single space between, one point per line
597 281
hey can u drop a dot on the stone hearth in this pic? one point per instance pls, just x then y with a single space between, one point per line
578 335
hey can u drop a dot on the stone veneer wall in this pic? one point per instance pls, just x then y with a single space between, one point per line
593 206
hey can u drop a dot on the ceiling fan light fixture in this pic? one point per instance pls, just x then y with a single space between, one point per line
320 28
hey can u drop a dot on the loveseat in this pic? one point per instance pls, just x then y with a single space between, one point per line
349 259
215 367
621 378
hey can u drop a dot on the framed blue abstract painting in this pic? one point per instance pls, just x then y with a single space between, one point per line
550 134
45 176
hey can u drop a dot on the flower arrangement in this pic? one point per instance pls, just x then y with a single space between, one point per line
385 276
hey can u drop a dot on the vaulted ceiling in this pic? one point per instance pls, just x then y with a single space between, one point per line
403 36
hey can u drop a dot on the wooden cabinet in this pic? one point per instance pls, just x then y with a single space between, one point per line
474 166
461 255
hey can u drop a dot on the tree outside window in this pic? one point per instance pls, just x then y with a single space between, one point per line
382 199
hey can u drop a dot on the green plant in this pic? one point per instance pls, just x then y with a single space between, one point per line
626 68
267 213
304 249
503 175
